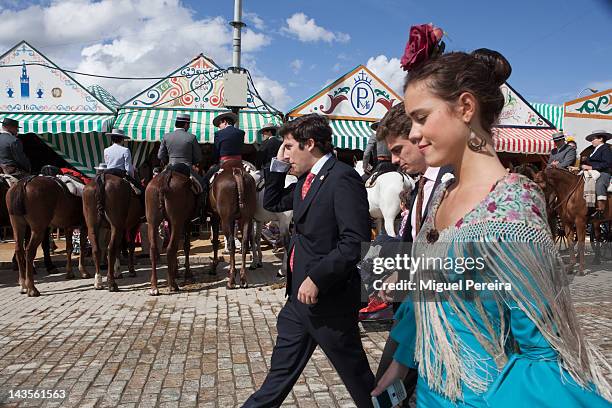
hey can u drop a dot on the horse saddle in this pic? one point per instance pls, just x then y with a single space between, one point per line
371 182
182 168
69 183
138 190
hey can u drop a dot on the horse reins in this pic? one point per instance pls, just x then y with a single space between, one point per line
569 195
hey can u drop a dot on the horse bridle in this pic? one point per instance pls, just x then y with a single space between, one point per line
571 192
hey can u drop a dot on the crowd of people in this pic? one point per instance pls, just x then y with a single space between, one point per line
496 348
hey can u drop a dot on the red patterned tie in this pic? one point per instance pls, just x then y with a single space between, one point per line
305 187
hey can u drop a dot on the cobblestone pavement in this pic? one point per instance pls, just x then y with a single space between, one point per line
206 346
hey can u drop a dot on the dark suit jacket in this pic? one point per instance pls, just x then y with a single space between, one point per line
228 142
407 235
330 225
267 151
602 159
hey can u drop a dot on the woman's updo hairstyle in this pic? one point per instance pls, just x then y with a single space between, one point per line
480 73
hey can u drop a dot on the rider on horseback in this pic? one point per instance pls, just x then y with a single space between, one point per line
382 161
118 160
227 145
600 160
181 147
13 160
563 155
268 148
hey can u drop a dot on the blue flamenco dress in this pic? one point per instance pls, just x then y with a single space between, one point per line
498 347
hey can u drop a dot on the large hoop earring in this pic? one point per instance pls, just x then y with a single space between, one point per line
475 143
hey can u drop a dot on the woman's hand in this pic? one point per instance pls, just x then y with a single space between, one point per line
395 371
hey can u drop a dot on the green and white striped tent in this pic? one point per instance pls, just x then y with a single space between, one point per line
48 102
553 113
352 103
195 88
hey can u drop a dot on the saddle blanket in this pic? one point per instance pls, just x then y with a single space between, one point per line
73 186
9 179
590 178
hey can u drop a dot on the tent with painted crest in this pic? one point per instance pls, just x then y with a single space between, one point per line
584 115
68 118
352 103
195 88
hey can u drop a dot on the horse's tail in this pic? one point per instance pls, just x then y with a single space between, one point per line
238 174
18 197
100 195
164 188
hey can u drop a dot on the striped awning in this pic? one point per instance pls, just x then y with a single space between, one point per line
151 124
350 134
83 151
526 141
51 123
553 113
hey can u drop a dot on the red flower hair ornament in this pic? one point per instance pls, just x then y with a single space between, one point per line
425 42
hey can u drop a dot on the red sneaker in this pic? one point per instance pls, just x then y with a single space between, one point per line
375 305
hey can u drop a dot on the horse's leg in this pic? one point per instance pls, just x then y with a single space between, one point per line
186 249
581 237
19 229
35 240
83 244
152 232
171 255
214 223
256 245
96 255
69 247
247 233
569 234
131 243
46 245
228 232
113 245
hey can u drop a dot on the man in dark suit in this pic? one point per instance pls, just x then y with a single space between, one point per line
227 145
394 130
601 160
12 157
330 212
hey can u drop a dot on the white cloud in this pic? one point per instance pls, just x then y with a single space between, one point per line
254 19
388 70
272 92
307 30
124 38
297 65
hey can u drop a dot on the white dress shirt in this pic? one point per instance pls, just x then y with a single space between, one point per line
119 157
431 174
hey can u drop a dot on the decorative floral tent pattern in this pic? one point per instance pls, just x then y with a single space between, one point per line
521 129
195 88
352 103
51 104
586 114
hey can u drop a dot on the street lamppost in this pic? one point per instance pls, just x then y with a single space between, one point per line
587 89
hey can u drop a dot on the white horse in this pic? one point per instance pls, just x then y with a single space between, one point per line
383 197
263 216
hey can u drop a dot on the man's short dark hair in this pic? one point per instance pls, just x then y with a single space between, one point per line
180 124
313 126
395 123
117 139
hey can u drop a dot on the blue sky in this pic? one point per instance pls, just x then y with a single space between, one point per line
556 48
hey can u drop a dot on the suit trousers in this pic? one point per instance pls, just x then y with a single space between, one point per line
298 336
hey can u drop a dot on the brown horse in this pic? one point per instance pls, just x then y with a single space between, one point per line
111 203
40 202
170 196
232 196
572 209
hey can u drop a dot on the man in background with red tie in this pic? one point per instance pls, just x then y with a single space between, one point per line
330 213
